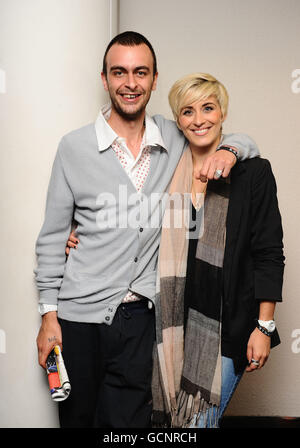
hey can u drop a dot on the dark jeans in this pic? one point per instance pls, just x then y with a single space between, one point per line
110 370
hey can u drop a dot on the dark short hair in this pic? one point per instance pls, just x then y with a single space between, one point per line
129 39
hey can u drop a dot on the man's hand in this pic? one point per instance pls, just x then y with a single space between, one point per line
72 242
49 336
221 160
258 348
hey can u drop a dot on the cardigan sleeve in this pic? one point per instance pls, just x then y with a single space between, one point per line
51 242
246 146
266 235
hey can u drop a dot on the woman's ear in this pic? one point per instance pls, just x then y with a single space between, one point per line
223 117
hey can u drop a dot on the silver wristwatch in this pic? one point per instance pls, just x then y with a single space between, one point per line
269 325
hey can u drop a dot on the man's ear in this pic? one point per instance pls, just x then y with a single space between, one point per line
154 81
104 80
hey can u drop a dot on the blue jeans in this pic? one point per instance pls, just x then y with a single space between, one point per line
230 380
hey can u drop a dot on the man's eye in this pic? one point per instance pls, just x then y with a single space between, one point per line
141 73
118 73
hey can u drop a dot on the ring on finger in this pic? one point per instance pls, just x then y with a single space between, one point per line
218 173
255 362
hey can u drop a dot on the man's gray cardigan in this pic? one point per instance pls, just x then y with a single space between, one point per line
119 229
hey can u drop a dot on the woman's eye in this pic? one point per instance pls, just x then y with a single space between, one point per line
208 108
187 112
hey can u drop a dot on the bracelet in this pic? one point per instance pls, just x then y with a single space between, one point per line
227 148
263 329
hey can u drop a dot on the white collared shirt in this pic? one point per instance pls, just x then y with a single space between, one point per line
137 168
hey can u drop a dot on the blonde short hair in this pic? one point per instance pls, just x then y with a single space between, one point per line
195 87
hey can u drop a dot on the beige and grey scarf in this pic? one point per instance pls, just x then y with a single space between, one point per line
187 356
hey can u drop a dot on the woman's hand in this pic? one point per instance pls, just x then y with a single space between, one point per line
72 242
221 160
258 348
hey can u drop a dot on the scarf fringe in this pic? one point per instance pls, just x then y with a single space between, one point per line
191 409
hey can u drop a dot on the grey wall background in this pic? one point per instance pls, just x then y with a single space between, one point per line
50 62
51 54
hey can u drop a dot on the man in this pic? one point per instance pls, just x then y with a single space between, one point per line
97 306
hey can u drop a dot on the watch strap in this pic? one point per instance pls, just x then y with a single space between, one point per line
228 148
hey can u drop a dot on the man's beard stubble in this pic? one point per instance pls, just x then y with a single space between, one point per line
126 115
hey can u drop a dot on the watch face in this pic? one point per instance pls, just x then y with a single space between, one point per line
271 326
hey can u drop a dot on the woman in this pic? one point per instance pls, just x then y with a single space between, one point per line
214 283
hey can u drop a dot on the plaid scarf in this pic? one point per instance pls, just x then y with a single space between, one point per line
186 379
